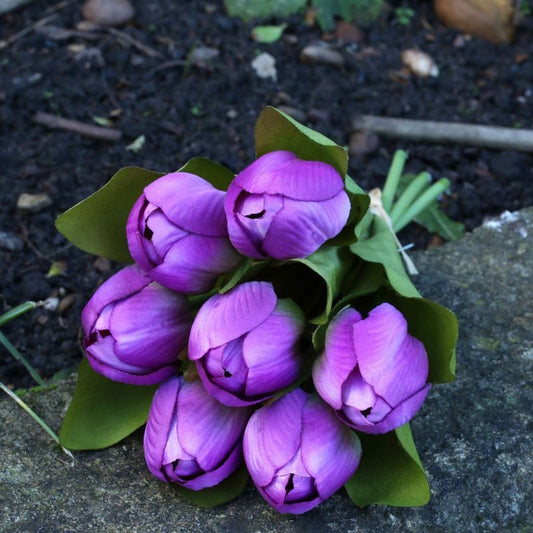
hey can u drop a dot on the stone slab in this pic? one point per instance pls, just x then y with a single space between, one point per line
474 436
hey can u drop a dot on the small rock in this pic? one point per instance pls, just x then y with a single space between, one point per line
108 12
51 303
232 113
293 112
318 53
33 202
363 143
201 55
9 241
102 264
348 33
265 66
66 303
419 63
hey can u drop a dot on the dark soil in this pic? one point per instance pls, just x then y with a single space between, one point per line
186 111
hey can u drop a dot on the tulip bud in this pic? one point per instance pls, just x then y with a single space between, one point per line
190 438
298 453
245 343
284 207
177 233
135 329
372 372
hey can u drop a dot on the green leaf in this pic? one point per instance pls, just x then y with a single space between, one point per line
332 264
98 224
225 491
103 412
211 171
434 220
381 248
268 34
433 324
364 12
246 10
275 130
390 472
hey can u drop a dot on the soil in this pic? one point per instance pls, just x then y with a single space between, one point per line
209 110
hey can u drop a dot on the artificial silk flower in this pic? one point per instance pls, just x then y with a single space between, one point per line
177 233
298 453
284 207
135 329
246 343
191 439
372 372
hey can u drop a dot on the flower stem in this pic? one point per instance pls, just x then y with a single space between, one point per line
393 178
409 195
35 416
17 311
19 357
422 202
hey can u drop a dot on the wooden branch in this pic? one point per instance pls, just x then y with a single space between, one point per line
448 132
88 130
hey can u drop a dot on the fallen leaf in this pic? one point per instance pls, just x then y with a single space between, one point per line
137 145
268 34
492 20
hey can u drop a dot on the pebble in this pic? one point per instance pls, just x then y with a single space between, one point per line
202 55
102 264
9 241
317 53
265 66
108 12
66 303
419 63
33 202
363 143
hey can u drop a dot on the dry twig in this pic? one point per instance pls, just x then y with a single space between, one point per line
89 130
448 132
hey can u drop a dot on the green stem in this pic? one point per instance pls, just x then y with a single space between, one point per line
422 202
35 416
406 199
19 357
17 311
393 178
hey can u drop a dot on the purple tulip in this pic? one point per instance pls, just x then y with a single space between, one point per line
284 207
190 438
135 329
177 233
298 452
245 343
372 372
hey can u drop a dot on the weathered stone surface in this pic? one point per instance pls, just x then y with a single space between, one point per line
474 435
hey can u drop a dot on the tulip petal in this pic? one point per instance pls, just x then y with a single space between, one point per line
334 366
200 419
190 202
300 228
282 172
271 350
272 437
391 360
164 233
125 282
225 317
134 322
330 450
357 393
193 263
159 424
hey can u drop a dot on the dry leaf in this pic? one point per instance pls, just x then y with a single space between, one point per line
489 19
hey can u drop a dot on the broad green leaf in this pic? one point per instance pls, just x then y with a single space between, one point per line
390 472
435 325
332 264
380 247
434 220
275 130
268 34
363 12
98 224
216 174
103 412
225 491
247 10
